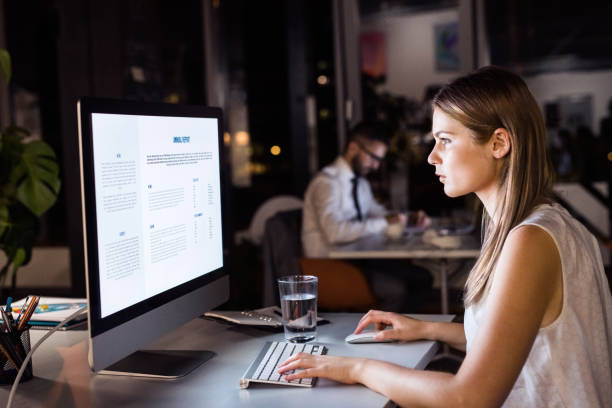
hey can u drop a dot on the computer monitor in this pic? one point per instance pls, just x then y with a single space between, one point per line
151 186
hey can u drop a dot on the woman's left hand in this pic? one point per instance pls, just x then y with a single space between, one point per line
341 369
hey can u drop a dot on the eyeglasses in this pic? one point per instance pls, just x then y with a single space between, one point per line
368 152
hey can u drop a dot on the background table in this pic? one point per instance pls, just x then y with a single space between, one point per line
63 378
409 247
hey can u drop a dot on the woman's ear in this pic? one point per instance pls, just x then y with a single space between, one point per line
500 143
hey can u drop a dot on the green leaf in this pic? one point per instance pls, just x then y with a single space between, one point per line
18 241
14 136
5 65
21 233
5 221
20 257
39 189
5 269
11 152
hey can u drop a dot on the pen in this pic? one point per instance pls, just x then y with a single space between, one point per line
8 356
23 307
7 321
9 310
28 313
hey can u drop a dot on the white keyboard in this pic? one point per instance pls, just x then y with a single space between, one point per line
264 368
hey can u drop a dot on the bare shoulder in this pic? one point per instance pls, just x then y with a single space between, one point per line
531 240
529 268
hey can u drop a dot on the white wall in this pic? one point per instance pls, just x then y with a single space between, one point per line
410 51
548 87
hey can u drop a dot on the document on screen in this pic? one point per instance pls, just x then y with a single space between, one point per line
158 208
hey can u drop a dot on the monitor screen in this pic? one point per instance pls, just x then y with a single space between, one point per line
157 183
151 190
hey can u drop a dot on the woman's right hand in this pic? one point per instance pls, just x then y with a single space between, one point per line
403 327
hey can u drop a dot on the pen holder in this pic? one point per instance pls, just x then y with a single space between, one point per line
14 347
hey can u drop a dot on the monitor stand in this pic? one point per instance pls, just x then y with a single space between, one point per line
168 364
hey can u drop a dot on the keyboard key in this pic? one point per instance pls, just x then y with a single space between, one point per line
276 353
287 352
264 361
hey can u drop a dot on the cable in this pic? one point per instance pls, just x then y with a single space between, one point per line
29 356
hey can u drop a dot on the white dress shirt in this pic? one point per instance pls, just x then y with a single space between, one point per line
330 215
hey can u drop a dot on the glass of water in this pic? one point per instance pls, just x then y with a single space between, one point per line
298 298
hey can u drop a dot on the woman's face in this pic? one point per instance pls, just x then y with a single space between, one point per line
462 165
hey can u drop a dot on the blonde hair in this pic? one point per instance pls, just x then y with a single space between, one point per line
483 101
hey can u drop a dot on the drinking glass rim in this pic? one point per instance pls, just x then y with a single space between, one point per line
298 279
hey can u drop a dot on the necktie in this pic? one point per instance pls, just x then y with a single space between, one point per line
355 182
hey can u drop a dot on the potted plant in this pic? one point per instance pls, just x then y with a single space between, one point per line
29 186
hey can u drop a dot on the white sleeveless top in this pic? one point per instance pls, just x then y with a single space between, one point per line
570 362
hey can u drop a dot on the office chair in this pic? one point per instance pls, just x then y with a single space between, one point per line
342 286
268 209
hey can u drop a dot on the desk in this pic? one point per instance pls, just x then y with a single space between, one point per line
411 247
63 378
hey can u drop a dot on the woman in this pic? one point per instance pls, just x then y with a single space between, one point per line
538 319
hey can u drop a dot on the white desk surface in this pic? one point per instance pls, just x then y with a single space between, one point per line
380 247
62 377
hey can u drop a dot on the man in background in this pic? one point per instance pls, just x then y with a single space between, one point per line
339 207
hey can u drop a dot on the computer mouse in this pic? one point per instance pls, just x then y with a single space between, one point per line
366 336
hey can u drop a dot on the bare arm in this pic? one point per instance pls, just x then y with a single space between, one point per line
405 386
449 333
407 328
521 299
